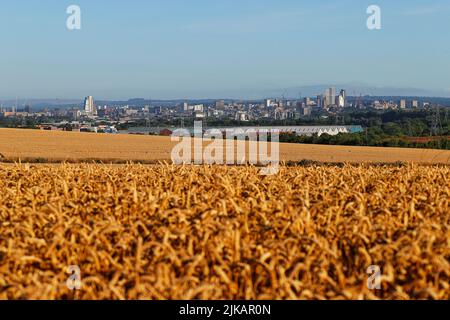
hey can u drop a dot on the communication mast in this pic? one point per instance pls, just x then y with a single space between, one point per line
436 124
360 99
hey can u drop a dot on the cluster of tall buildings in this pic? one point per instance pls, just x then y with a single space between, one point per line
330 99
330 102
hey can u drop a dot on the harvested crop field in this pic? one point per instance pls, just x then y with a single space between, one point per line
54 146
167 232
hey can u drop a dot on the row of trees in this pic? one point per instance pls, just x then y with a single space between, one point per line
417 123
372 137
387 129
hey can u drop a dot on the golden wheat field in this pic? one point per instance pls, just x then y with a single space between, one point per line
168 232
54 146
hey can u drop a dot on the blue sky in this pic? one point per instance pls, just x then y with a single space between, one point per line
210 48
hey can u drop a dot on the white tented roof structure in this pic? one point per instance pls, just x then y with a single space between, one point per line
299 130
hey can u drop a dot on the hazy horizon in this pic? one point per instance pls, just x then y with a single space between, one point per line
288 93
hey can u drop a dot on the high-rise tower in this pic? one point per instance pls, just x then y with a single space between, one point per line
342 99
89 107
330 97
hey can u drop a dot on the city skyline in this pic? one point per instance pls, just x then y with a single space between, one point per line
233 50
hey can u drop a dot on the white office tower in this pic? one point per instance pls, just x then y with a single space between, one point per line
89 107
342 103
